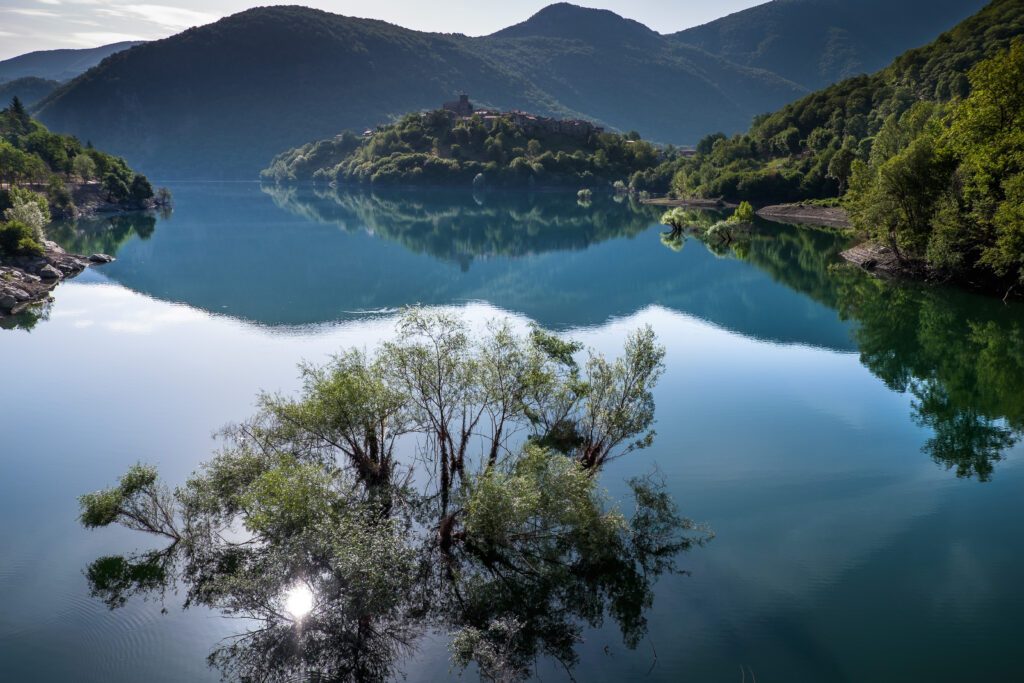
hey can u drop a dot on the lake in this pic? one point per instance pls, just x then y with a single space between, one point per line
852 444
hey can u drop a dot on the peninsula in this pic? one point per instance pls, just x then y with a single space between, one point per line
46 176
460 145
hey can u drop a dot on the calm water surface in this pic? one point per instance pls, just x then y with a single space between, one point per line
853 445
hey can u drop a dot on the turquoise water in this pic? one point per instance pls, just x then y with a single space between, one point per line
852 444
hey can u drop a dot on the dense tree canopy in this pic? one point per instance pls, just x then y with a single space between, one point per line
32 155
944 186
806 149
438 149
35 166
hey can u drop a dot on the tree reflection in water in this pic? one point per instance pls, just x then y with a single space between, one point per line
105 234
961 356
499 536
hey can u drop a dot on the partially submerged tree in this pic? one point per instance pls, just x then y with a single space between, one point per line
497 531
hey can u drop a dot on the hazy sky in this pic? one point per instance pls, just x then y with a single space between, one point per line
27 25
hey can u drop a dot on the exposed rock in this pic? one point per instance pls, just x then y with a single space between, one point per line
101 258
48 272
807 214
688 203
880 260
26 280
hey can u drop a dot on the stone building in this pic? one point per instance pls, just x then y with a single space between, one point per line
460 107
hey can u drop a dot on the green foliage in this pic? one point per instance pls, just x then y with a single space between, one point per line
140 190
59 197
808 149
115 187
943 184
493 531
504 506
18 239
436 149
311 161
29 153
27 208
84 167
744 213
135 502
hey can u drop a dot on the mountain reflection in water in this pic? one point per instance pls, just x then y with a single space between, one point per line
344 255
299 260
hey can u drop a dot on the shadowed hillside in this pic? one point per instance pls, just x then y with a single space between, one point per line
817 42
58 65
222 99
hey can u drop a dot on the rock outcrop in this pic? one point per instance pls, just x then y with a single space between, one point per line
26 280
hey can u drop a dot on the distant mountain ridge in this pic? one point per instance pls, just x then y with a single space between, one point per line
58 65
818 42
221 100
28 89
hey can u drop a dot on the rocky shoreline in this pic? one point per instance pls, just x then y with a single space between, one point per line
807 214
880 260
28 280
688 203
89 201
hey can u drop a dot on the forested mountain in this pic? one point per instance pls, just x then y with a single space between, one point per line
58 65
28 89
620 72
807 148
817 42
222 99
928 154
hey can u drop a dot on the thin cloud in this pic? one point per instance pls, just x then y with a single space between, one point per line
94 38
28 12
171 17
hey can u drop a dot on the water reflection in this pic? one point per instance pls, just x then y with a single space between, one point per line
341 556
959 355
28 318
463 227
229 249
301 257
103 234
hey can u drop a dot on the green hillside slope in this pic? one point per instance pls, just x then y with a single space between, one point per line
817 42
806 149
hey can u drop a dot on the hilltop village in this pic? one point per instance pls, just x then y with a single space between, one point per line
531 124
460 145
